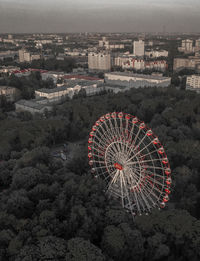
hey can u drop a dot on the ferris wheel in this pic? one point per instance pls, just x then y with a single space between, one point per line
127 155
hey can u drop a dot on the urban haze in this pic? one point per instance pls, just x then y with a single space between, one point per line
25 16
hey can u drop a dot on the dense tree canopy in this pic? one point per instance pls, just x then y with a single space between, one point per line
52 210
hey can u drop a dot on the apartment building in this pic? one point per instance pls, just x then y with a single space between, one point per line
99 61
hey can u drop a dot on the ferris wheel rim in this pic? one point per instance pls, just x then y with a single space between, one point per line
111 150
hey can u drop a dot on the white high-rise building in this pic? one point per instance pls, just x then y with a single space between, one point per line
186 46
197 43
99 61
138 48
24 56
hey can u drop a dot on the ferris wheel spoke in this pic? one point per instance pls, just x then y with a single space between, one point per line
152 183
134 141
114 179
139 152
103 137
101 143
148 154
151 173
108 132
111 148
134 173
140 142
144 199
114 133
144 161
149 194
152 187
127 193
121 134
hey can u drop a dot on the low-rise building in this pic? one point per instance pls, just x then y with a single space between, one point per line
128 62
11 93
109 45
156 53
53 95
32 106
186 63
193 83
72 87
8 69
132 80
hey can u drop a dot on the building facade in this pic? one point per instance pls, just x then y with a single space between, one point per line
132 80
11 93
32 106
186 63
138 48
193 83
99 61
186 46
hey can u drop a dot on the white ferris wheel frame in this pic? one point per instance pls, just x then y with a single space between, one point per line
129 157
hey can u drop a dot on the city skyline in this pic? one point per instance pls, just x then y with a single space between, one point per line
93 16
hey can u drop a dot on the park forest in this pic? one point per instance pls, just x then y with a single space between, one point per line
55 211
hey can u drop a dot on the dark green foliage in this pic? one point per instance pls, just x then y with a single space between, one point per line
55 210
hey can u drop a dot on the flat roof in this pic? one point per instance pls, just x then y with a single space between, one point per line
31 104
7 87
62 88
144 76
70 84
82 77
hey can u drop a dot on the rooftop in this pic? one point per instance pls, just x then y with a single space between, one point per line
31 104
144 76
7 88
82 77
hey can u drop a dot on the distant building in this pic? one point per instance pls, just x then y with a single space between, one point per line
128 62
73 87
186 46
132 80
25 56
193 83
53 95
191 62
197 45
32 106
99 61
138 48
109 45
8 54
11 93
8 69
156 53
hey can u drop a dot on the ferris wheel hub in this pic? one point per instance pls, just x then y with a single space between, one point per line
118 166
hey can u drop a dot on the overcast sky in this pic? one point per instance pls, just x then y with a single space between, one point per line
28 16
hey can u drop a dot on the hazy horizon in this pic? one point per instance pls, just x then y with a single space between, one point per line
48 16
